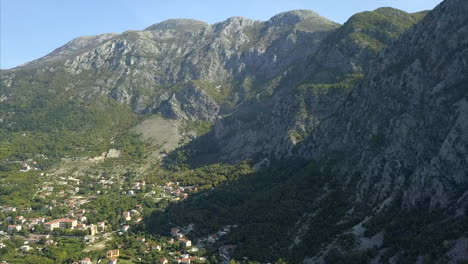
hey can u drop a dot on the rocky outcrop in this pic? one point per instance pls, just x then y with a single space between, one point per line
314 90
400 141
404 129
70 50
397 140
273 128
146 69
192 103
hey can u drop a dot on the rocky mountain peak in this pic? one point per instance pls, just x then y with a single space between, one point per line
84 41
182 24
237 22
70 49
295 17
237 19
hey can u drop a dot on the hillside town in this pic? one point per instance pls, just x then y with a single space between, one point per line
72 210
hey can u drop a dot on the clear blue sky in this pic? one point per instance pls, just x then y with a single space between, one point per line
32 28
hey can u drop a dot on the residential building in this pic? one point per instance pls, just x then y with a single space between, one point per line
112 253
126 216
25 248
20 219
101 226
93 229
213 238
61 223
12 228
185 261
185 242
156 247
174 231
35 221
86 261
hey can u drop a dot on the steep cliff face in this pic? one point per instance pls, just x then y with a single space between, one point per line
400 141
312 91
149 69
240 69
390 146
357 42
404 128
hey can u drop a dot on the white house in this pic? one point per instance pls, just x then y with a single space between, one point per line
12 228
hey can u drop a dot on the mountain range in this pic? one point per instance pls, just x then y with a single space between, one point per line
357 133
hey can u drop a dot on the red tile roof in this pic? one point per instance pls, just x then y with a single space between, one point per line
67 220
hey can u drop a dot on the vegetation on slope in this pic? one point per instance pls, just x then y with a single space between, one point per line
50 121
375 29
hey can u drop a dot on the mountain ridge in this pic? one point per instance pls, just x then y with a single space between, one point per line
323 143
193 24
386 182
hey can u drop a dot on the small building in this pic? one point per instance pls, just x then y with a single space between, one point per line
51 243
12 228
86 261
126 216
101 226
134 212
25 168
112 253
175 231
213 238
193 249
25 248
185 242
82 218
156 247
163 261
81 211
35 221
93 229
125 228
65 223
20 219
185 261
9 209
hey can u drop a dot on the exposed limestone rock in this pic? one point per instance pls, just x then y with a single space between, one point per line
113 153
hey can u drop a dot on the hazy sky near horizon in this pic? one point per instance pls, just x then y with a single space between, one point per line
30 29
